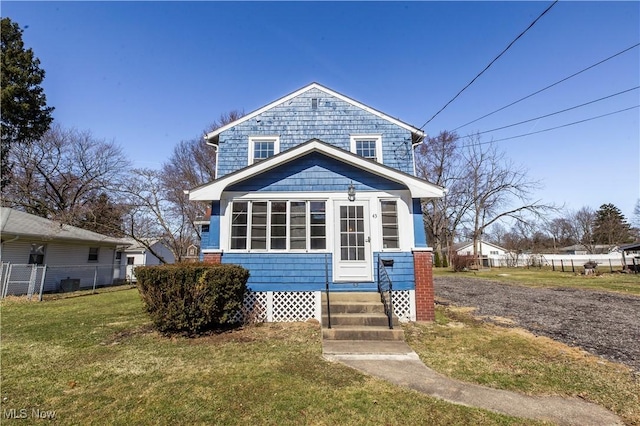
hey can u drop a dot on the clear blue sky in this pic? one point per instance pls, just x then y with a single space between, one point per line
149 74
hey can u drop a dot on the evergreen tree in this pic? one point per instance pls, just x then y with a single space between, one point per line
610 226
25 115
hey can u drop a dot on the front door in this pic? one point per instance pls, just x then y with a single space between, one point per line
352 254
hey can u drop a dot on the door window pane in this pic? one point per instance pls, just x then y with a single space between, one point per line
352 233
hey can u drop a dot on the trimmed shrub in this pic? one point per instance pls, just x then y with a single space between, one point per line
192 298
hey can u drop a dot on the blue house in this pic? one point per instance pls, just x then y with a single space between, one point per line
316 188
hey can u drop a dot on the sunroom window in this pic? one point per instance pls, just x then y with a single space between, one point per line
390 235
296 225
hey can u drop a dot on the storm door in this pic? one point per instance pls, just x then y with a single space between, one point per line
352 255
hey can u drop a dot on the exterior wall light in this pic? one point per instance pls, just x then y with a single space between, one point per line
351 192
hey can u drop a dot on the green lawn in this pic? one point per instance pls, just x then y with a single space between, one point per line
95 360
545 277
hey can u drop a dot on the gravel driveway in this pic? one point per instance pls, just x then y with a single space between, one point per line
605 324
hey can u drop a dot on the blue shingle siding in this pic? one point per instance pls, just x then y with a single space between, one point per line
333 122
401 273
316 172
306 271
283 271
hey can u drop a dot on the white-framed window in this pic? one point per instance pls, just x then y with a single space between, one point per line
36 254
367 146
278 225
263 147
93 254
389 223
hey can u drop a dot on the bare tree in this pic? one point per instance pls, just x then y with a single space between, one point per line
151 216
438 160
65 176
159 208
497 189
582 227
561 232
484 188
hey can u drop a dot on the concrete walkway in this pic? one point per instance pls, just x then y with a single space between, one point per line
397 363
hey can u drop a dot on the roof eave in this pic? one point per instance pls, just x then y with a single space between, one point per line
417 187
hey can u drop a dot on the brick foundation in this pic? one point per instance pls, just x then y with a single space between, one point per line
423 270
215 258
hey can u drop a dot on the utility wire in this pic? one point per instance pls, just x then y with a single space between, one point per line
557 112
553 128
549 86
490 63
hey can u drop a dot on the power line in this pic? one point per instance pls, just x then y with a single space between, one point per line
549 86
490 63
557 112
553 128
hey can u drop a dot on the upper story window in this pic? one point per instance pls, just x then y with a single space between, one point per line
367 146
261 148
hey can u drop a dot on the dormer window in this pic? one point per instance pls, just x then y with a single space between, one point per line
261 148
367 146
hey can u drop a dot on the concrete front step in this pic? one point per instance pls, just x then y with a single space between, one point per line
343 332
358 316
351 296
346 307
361 319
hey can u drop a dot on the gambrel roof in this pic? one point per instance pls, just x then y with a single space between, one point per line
418 134
418 188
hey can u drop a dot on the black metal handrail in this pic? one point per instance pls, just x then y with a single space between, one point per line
326 276
385 288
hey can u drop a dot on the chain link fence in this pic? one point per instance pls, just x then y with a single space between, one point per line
34 280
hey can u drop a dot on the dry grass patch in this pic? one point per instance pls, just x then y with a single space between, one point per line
514 359
545 277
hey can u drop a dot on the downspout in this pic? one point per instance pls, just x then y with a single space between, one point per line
215 146
413 153
17 237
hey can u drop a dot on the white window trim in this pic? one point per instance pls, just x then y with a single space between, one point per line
253 139
377 138
399 205
288 249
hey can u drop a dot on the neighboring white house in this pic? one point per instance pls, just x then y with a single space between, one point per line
70 254
136 254
491 254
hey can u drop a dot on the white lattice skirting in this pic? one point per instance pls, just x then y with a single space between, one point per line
290 306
